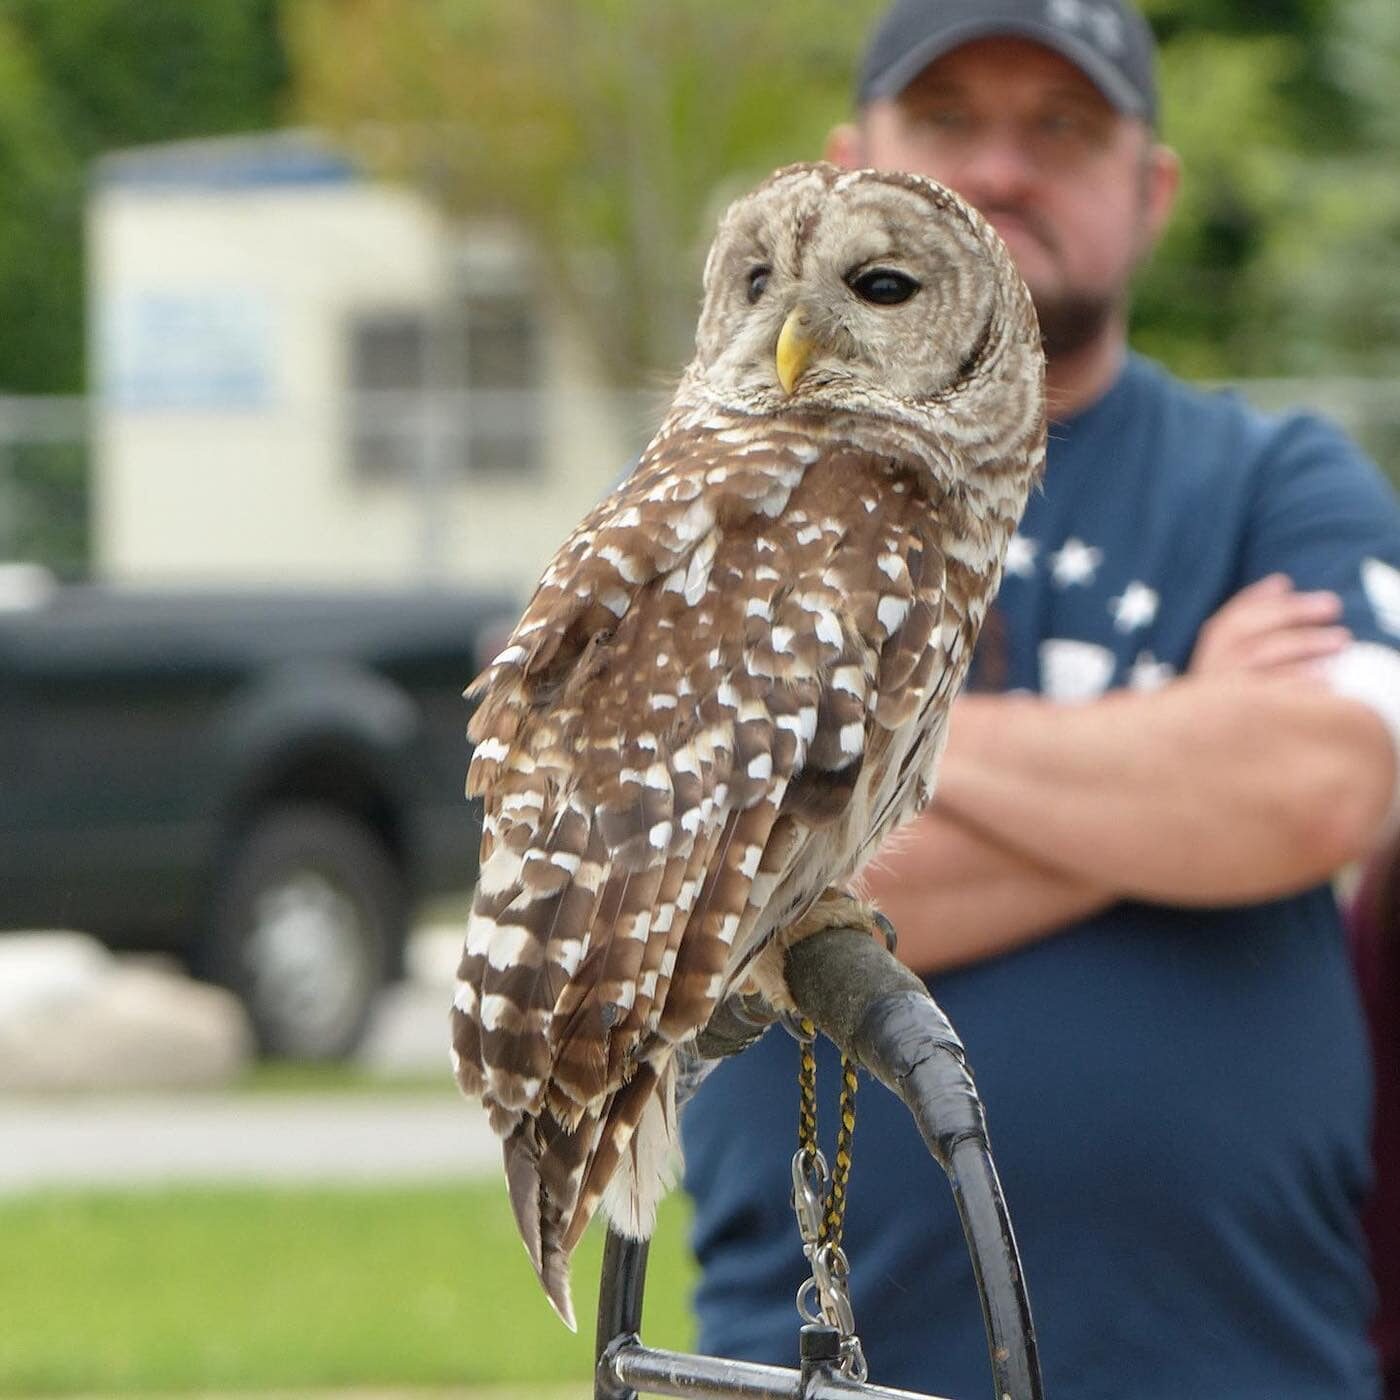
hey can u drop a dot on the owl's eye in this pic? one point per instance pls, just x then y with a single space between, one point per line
758 281
883 287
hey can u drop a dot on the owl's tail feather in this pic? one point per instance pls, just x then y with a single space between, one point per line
537 1214
618 1155
627 1171
641 1169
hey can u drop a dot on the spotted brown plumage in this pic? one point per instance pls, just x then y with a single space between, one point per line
734 676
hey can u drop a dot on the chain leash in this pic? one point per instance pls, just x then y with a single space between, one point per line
819 1202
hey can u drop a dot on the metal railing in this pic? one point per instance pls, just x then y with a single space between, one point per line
44 482
47 462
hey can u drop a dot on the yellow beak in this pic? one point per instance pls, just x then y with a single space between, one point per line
795 350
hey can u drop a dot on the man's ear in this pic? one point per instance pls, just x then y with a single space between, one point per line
845 146
1163 179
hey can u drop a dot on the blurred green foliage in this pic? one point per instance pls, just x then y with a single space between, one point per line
613 129
45 505
80 79
1284 255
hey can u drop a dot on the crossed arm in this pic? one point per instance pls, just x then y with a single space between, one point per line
1245 779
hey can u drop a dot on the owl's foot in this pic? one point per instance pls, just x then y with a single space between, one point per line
836 908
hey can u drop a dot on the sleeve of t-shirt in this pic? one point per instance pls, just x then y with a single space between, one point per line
1324 515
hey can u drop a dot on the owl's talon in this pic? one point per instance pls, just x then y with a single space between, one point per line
792 1023
887 928
835 909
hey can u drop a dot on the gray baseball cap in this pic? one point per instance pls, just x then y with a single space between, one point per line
1107 40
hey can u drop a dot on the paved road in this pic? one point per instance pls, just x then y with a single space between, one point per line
153 1140
106 1139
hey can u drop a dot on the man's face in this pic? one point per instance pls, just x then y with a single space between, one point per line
1078 191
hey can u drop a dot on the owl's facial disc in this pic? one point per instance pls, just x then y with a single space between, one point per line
853 291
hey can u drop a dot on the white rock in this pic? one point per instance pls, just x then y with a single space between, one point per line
47 969
72 1016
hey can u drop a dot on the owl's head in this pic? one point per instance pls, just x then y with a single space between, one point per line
860 290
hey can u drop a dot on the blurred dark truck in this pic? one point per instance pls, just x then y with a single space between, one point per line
266 784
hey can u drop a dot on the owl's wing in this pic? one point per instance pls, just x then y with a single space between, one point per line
710 663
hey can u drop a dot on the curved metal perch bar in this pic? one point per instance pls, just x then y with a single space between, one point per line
879 1013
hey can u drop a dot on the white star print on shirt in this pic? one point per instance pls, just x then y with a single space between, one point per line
1073 671
1382 585
1020 557
1075 562
1135 607
1150 674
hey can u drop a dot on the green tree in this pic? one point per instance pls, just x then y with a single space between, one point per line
41 184
610 130
78 79
1195 305
1284 257
1333 269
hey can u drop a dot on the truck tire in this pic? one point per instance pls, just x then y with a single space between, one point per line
307 920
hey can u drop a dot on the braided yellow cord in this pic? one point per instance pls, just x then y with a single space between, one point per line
807 1092
834 1214
834 1220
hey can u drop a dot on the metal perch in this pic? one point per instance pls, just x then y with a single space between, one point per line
880 1014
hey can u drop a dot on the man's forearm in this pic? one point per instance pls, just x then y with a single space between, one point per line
955 896
1207 791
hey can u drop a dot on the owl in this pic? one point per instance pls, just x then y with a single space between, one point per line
734 676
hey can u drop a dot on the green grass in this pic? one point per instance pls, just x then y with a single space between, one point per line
578 1391
297 1077
124 1294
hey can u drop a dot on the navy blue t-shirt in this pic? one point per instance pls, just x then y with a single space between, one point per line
1178 1100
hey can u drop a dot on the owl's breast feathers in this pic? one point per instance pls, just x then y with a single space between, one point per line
730 681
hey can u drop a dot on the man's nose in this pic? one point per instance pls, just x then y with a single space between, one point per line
997 168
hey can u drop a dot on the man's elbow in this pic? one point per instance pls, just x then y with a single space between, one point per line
1350 800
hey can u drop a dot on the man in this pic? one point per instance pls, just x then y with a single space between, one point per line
1120 892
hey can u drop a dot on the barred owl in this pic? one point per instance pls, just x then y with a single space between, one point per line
734 677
